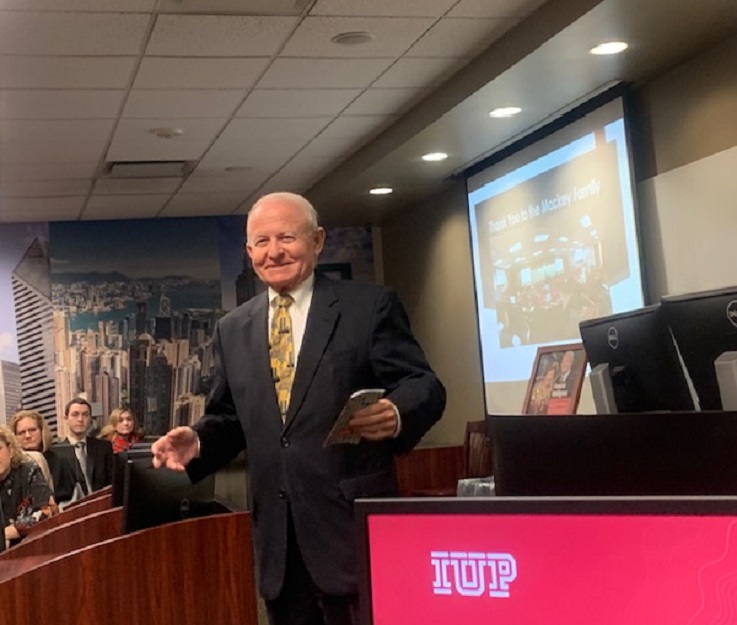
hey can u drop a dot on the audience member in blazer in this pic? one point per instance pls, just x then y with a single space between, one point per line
99 465
347 336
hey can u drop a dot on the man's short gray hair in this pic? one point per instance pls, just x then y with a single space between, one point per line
290 198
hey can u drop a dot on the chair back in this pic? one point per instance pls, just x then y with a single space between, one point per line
477 451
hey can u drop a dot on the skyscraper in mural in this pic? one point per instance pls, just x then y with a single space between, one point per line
34 317
10 391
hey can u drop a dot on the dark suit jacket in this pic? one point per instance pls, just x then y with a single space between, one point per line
357 336
64 475
99 461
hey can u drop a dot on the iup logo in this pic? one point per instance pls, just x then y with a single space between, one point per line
471 574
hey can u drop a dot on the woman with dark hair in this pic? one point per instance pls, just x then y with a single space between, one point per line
33 434
24 494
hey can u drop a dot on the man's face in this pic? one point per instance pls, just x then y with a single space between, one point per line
282 248
566 362
78 419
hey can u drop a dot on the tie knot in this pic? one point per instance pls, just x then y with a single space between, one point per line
79 445
283 301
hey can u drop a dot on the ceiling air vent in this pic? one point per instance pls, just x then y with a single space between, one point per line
148 169
238 7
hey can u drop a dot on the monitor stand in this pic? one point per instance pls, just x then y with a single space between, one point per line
603 390
726 369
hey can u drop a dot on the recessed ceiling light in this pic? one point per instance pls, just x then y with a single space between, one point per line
381 191
434 156
166 132
505 111
610 47
355 38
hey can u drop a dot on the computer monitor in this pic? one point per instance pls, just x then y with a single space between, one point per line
120 462
156 496
633 357
657 453
704 326
575 561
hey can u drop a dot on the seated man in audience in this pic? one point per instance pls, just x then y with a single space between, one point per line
92 457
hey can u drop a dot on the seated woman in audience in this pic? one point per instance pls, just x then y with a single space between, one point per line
121 430
33 434
24 494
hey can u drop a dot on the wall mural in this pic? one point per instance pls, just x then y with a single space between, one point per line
122 312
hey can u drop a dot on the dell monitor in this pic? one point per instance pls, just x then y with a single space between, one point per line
704 326
634 363
497 560
156 496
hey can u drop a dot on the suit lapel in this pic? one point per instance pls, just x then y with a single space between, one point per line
321 321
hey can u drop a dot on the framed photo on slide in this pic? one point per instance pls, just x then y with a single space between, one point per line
556 380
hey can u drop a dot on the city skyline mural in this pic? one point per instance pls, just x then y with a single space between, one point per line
135 304
123 312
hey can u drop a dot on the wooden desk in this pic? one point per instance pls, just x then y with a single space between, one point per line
82 509
430 467
193 572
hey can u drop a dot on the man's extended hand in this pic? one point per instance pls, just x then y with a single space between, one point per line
175 449
375 422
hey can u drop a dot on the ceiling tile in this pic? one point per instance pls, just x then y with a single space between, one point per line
225 181
31 205
45 188
115 6
47 171
49 152
45 131
202 103
72 33
296 102
46 104
418 73
392 36
385 101
43 72
387 8
133 140
495 8
133 186
195 204
356 127
248 141
192 73
218 35
124 206
460 37
322 73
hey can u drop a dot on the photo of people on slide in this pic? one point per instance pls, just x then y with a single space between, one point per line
555 244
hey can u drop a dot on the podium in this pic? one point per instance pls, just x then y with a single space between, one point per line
83 571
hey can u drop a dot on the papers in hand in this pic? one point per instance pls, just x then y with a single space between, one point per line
360 399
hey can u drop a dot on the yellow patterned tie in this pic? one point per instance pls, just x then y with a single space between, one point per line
281 352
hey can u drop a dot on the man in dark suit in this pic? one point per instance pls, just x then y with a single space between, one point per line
91 457
347 336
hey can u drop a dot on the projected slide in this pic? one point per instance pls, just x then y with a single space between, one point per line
554 242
